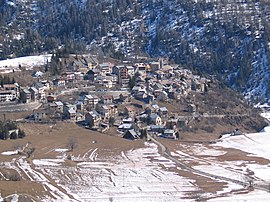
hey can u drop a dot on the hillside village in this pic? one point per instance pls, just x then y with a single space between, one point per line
130 97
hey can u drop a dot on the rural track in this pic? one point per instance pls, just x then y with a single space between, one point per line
164 151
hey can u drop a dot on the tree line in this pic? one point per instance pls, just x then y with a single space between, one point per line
9 130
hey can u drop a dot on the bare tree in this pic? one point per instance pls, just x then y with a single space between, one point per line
72 143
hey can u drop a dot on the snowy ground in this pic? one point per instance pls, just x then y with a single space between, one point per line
142 174
29 62
134 176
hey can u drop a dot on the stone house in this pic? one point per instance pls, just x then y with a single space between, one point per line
106 99
25 96
93 119
155 119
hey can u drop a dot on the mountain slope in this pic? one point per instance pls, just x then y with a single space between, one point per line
223 37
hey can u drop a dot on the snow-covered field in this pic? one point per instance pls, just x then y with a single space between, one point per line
28 62
134 176
257 144
143 174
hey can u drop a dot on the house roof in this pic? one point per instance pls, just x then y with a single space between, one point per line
127 120
26 91
9 86
169 131
59 103
106 97
133 134
52 105
155 106
163 109
130 108
94 113
154 116
156 126
130 67
125 126
90 97
158 85
34 89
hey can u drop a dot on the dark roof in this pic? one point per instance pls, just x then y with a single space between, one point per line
131 135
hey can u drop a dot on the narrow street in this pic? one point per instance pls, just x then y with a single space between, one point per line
14 107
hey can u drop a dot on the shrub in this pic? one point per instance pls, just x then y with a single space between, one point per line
13 135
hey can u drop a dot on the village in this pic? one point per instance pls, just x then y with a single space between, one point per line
128 97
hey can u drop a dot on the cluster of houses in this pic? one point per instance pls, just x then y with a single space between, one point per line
148 82
9 92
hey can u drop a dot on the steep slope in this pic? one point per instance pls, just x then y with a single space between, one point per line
228 38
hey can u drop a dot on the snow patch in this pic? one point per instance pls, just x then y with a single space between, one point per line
27 61
9 153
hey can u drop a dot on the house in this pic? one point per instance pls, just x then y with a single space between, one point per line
181 122
40 114
129 111
138 88
91 61
163 96
11 87
107 83
34 94
71 114
68 76
41 90
157 87
105 68
157 128
149 110
141 69
123 77
131 135
192 108
155 119
125 127
130 71
124 98
140 96
79 105
52 107
113 110
51 98
6 96
160 75
59 82
163 112
93 119
236 132
92 74
78 76
171 134
59 106
103 110
90 101
106 99
79 117
37 74
122 73
25 96
69 111
9 92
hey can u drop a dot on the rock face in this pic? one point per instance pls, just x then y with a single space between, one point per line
227 38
